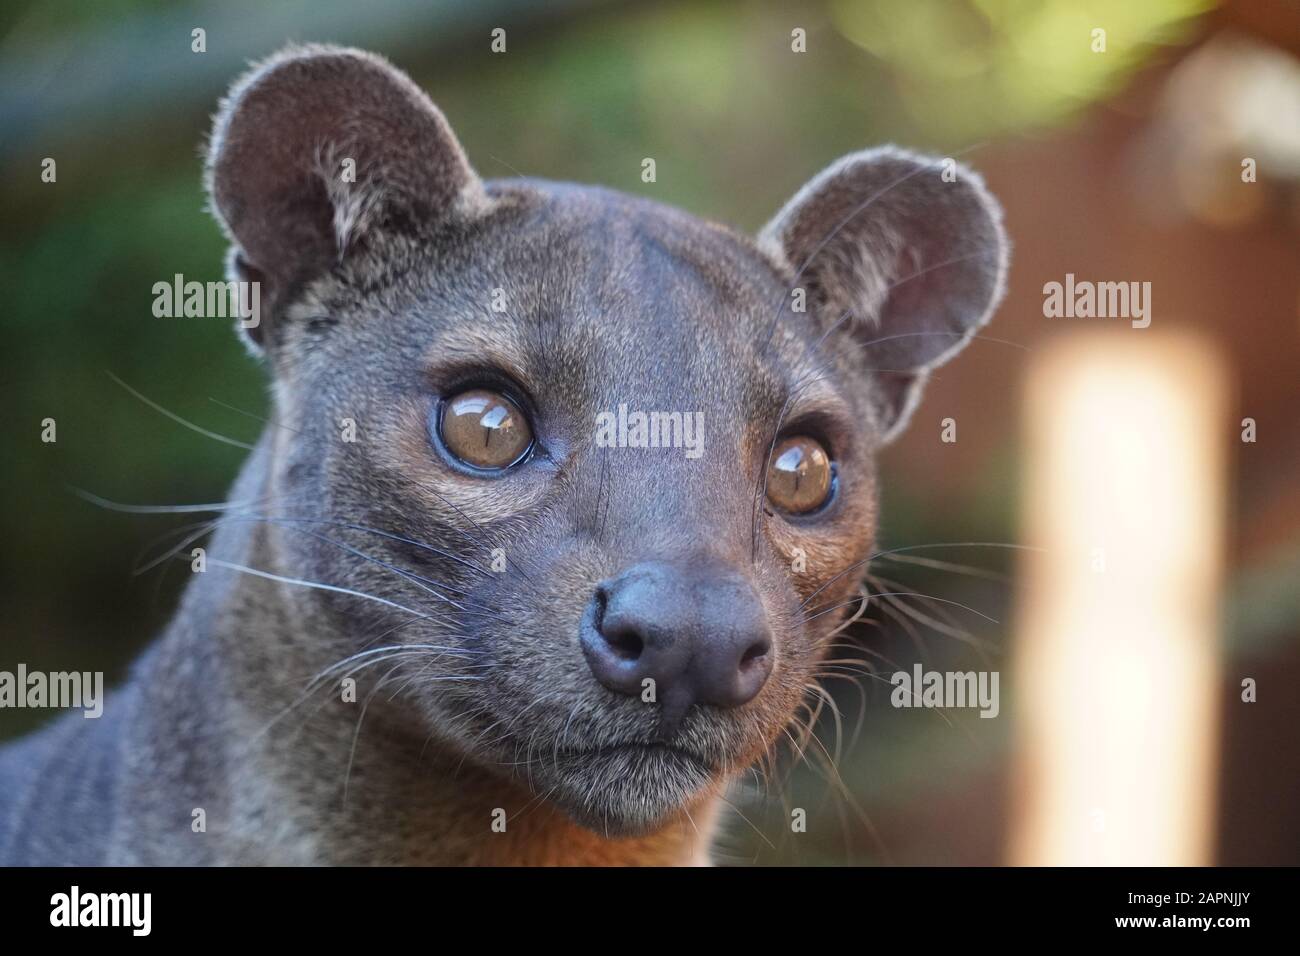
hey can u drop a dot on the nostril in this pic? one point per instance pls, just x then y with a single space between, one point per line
624 642
755 653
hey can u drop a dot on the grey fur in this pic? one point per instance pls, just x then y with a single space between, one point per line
381 301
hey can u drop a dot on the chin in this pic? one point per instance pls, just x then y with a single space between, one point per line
626 791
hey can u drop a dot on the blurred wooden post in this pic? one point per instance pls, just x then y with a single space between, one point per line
1116 660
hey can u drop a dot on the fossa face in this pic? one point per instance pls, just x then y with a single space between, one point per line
611 481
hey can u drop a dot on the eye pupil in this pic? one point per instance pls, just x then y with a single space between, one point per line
485 429
799 479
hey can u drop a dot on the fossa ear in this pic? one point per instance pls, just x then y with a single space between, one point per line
316 151
905 253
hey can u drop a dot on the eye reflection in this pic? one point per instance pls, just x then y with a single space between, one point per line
485 429
799 479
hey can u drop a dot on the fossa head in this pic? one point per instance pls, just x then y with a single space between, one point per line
611 476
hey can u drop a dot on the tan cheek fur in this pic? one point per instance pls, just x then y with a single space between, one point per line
828 548
543 836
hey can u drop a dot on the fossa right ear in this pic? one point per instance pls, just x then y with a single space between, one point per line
907 252
316 150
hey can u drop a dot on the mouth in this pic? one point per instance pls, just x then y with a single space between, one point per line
629 788
657 755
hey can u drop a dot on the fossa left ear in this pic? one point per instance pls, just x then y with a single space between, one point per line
276 173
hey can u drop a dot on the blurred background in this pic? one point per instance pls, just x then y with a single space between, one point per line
1122 165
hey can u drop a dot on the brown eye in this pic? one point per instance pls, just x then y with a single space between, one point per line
485 429
799 478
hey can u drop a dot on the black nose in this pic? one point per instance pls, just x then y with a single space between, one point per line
700 634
